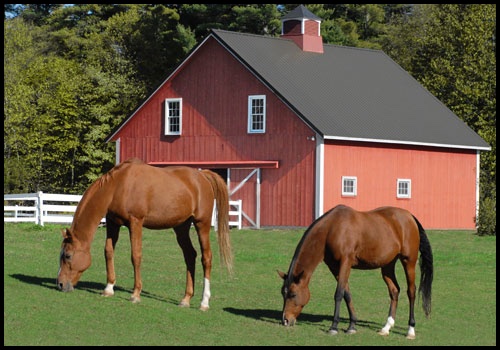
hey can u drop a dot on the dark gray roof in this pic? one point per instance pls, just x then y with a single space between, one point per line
351 93
300 12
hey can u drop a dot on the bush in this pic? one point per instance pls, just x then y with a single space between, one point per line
487 221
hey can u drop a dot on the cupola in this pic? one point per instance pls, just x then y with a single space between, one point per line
303 27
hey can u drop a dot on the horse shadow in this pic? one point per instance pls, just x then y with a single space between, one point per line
86 286
274 316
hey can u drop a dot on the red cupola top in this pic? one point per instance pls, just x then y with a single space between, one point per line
303 27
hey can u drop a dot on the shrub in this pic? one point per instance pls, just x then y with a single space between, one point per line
487 222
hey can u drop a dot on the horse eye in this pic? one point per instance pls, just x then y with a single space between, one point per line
67 256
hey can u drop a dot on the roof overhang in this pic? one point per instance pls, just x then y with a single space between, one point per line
236 164
402 142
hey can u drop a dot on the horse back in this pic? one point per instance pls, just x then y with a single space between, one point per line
371 239
163 197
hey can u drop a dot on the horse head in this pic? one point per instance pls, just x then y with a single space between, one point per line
295 292
73 261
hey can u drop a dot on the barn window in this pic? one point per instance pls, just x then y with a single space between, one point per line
256 114
173 116
349 185
403 188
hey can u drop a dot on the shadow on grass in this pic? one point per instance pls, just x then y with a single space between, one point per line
274 316
89 287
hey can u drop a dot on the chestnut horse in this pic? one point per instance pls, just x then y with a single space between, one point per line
137 195
345 238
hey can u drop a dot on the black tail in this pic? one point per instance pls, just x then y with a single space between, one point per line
426 269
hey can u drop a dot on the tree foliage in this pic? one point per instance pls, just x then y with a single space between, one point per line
451 50
73 72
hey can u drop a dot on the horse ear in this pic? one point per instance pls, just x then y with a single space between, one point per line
282 274
66 234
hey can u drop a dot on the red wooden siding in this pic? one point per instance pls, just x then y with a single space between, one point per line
214 88
442 181
311 28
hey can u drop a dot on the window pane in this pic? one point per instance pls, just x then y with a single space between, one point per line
257 114
349 186
174 117
404 188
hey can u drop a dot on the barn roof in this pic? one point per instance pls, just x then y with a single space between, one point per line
351 93
345 93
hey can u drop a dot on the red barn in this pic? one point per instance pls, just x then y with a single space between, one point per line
297 126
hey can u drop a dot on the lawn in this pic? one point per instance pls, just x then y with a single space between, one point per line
245 309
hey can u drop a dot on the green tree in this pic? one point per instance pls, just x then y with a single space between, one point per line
451 50
39 111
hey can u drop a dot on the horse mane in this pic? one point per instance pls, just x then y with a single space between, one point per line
301 243
109 175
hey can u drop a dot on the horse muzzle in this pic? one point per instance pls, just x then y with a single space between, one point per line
64 287
288 322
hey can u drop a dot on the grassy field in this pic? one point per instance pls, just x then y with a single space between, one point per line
244 309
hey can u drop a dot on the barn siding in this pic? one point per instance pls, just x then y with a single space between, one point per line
442 181
215 87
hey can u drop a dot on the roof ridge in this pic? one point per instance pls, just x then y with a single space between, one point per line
287 39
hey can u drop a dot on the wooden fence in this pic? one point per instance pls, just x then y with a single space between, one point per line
41 208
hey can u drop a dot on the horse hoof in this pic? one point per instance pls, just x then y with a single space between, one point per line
384 333
135 299
107 294
333 331
410 336
183 304
204 308
351 331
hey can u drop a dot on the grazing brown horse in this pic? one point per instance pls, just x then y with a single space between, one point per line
345 238
137 195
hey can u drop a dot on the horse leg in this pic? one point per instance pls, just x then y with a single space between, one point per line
389 277
203 230
350 307
135 228
112 234
342 282
347 297
184 241
409 268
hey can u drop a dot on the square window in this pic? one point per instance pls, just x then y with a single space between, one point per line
349 186
403 188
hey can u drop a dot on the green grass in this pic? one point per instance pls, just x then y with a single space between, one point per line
244 309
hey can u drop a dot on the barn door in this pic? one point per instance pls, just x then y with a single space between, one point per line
244 184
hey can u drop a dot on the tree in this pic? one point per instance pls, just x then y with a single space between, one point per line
451 50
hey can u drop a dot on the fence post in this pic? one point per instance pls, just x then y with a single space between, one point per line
40 207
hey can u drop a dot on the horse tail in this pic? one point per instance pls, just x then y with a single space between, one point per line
426 269
222 202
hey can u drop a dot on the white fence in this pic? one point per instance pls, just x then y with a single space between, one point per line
40 208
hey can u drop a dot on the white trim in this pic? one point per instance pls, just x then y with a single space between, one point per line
406 142
117 151
320 176
478 171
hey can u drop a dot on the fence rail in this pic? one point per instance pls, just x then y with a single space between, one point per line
40 208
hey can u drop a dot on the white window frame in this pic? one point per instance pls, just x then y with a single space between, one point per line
403 195
354 192
169 117
252 114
